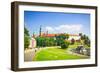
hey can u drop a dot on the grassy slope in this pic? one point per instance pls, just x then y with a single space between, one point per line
55 53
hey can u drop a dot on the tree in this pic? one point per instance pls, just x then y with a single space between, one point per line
26 32
26 41
40 42
64 44
26 38
80 34
72 41
67 36
87 41
45 41
60 38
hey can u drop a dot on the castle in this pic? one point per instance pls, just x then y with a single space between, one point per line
76 37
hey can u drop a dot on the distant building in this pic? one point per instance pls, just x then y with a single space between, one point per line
48 35
74 36
71 36
32 42
40 33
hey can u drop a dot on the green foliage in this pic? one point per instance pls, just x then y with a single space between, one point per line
26 38
85 39
45 41
26 32
67 36
80 34
26 41
60 38
64 44
72 41
51 41
39 41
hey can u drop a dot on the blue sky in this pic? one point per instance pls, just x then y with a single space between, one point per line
57 22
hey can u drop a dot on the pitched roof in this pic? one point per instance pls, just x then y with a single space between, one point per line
48 35
53 35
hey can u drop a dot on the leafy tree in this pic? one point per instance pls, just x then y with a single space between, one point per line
87 41
26 41
26 38
80 34
64 44
67 36
60 38
51 41
26 32
39 41
45 41
72 41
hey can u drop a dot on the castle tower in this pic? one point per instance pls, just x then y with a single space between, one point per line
47 32
40 30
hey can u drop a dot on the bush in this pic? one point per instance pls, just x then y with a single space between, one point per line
45 41
64 44
72 41
26 41
26 38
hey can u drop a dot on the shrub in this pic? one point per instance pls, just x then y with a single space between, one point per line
45 41
26 41
26 38
72 41
64 44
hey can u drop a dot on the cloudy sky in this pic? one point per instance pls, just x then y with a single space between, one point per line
55 22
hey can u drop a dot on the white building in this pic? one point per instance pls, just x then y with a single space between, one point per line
32 43
73 36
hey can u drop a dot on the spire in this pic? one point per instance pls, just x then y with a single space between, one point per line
47 32
40 30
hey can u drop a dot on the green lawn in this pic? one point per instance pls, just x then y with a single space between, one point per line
55 53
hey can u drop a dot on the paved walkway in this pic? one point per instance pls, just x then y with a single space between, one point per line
29 54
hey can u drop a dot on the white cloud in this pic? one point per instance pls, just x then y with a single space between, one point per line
48 28
72 28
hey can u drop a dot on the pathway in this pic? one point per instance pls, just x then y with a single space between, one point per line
29 54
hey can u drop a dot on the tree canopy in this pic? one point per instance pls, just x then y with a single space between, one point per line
26 38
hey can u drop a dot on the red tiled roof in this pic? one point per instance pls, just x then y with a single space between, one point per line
53 35
49 35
